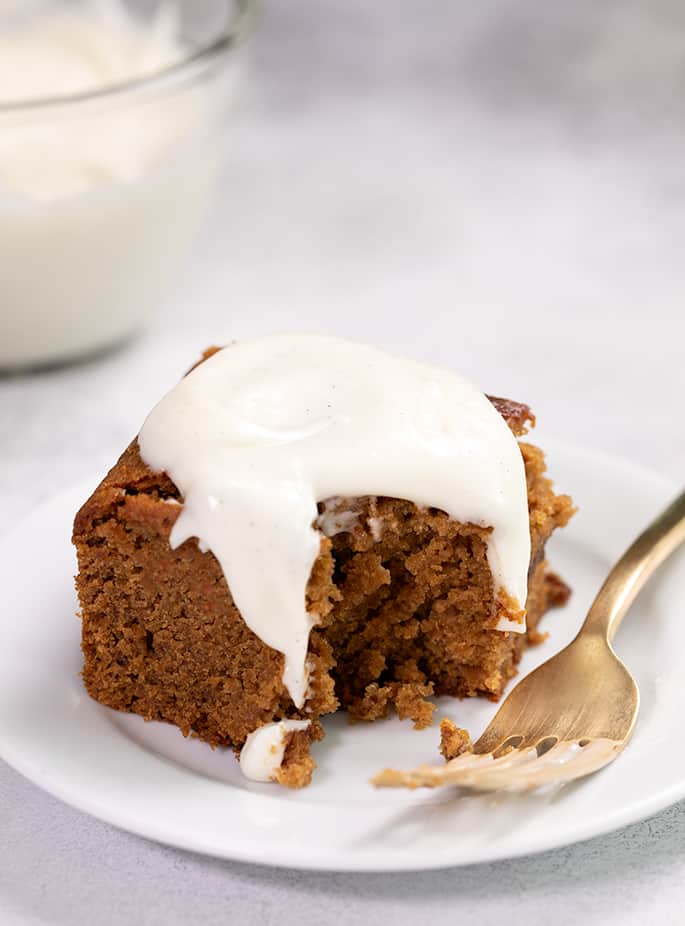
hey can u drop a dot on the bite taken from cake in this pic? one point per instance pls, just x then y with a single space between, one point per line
304 525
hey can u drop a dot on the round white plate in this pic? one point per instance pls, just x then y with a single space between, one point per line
148 779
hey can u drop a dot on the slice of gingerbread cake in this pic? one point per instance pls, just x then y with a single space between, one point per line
304 525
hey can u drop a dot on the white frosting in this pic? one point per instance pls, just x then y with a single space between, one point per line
337 517
99 200
262 754
60 51
376 528
264 429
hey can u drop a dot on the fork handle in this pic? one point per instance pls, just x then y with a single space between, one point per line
638 563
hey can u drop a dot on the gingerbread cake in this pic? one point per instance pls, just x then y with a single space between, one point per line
401 601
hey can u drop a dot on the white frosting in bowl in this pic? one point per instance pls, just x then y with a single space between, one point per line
259 433
75 49
100 198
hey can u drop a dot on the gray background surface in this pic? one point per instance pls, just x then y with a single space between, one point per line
496 186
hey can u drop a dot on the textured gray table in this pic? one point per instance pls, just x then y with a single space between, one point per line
497 186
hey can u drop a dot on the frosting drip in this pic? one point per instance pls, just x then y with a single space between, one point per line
263 751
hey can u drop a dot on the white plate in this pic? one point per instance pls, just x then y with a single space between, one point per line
148 779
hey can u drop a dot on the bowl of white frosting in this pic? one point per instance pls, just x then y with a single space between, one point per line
111 121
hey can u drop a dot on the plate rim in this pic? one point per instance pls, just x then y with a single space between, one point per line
320 858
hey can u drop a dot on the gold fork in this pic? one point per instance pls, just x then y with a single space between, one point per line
576 712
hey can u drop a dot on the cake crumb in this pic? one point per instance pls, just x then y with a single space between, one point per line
536 637
558 592
410 702
298 765
408 699
453 740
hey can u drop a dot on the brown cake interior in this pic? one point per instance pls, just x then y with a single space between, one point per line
403 598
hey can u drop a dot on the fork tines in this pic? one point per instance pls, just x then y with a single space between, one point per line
518 769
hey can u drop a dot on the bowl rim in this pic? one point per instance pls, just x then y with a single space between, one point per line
186 68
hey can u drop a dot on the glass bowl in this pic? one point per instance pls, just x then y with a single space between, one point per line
103 188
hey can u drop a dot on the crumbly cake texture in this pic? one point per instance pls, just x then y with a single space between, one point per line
454 741
403 602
